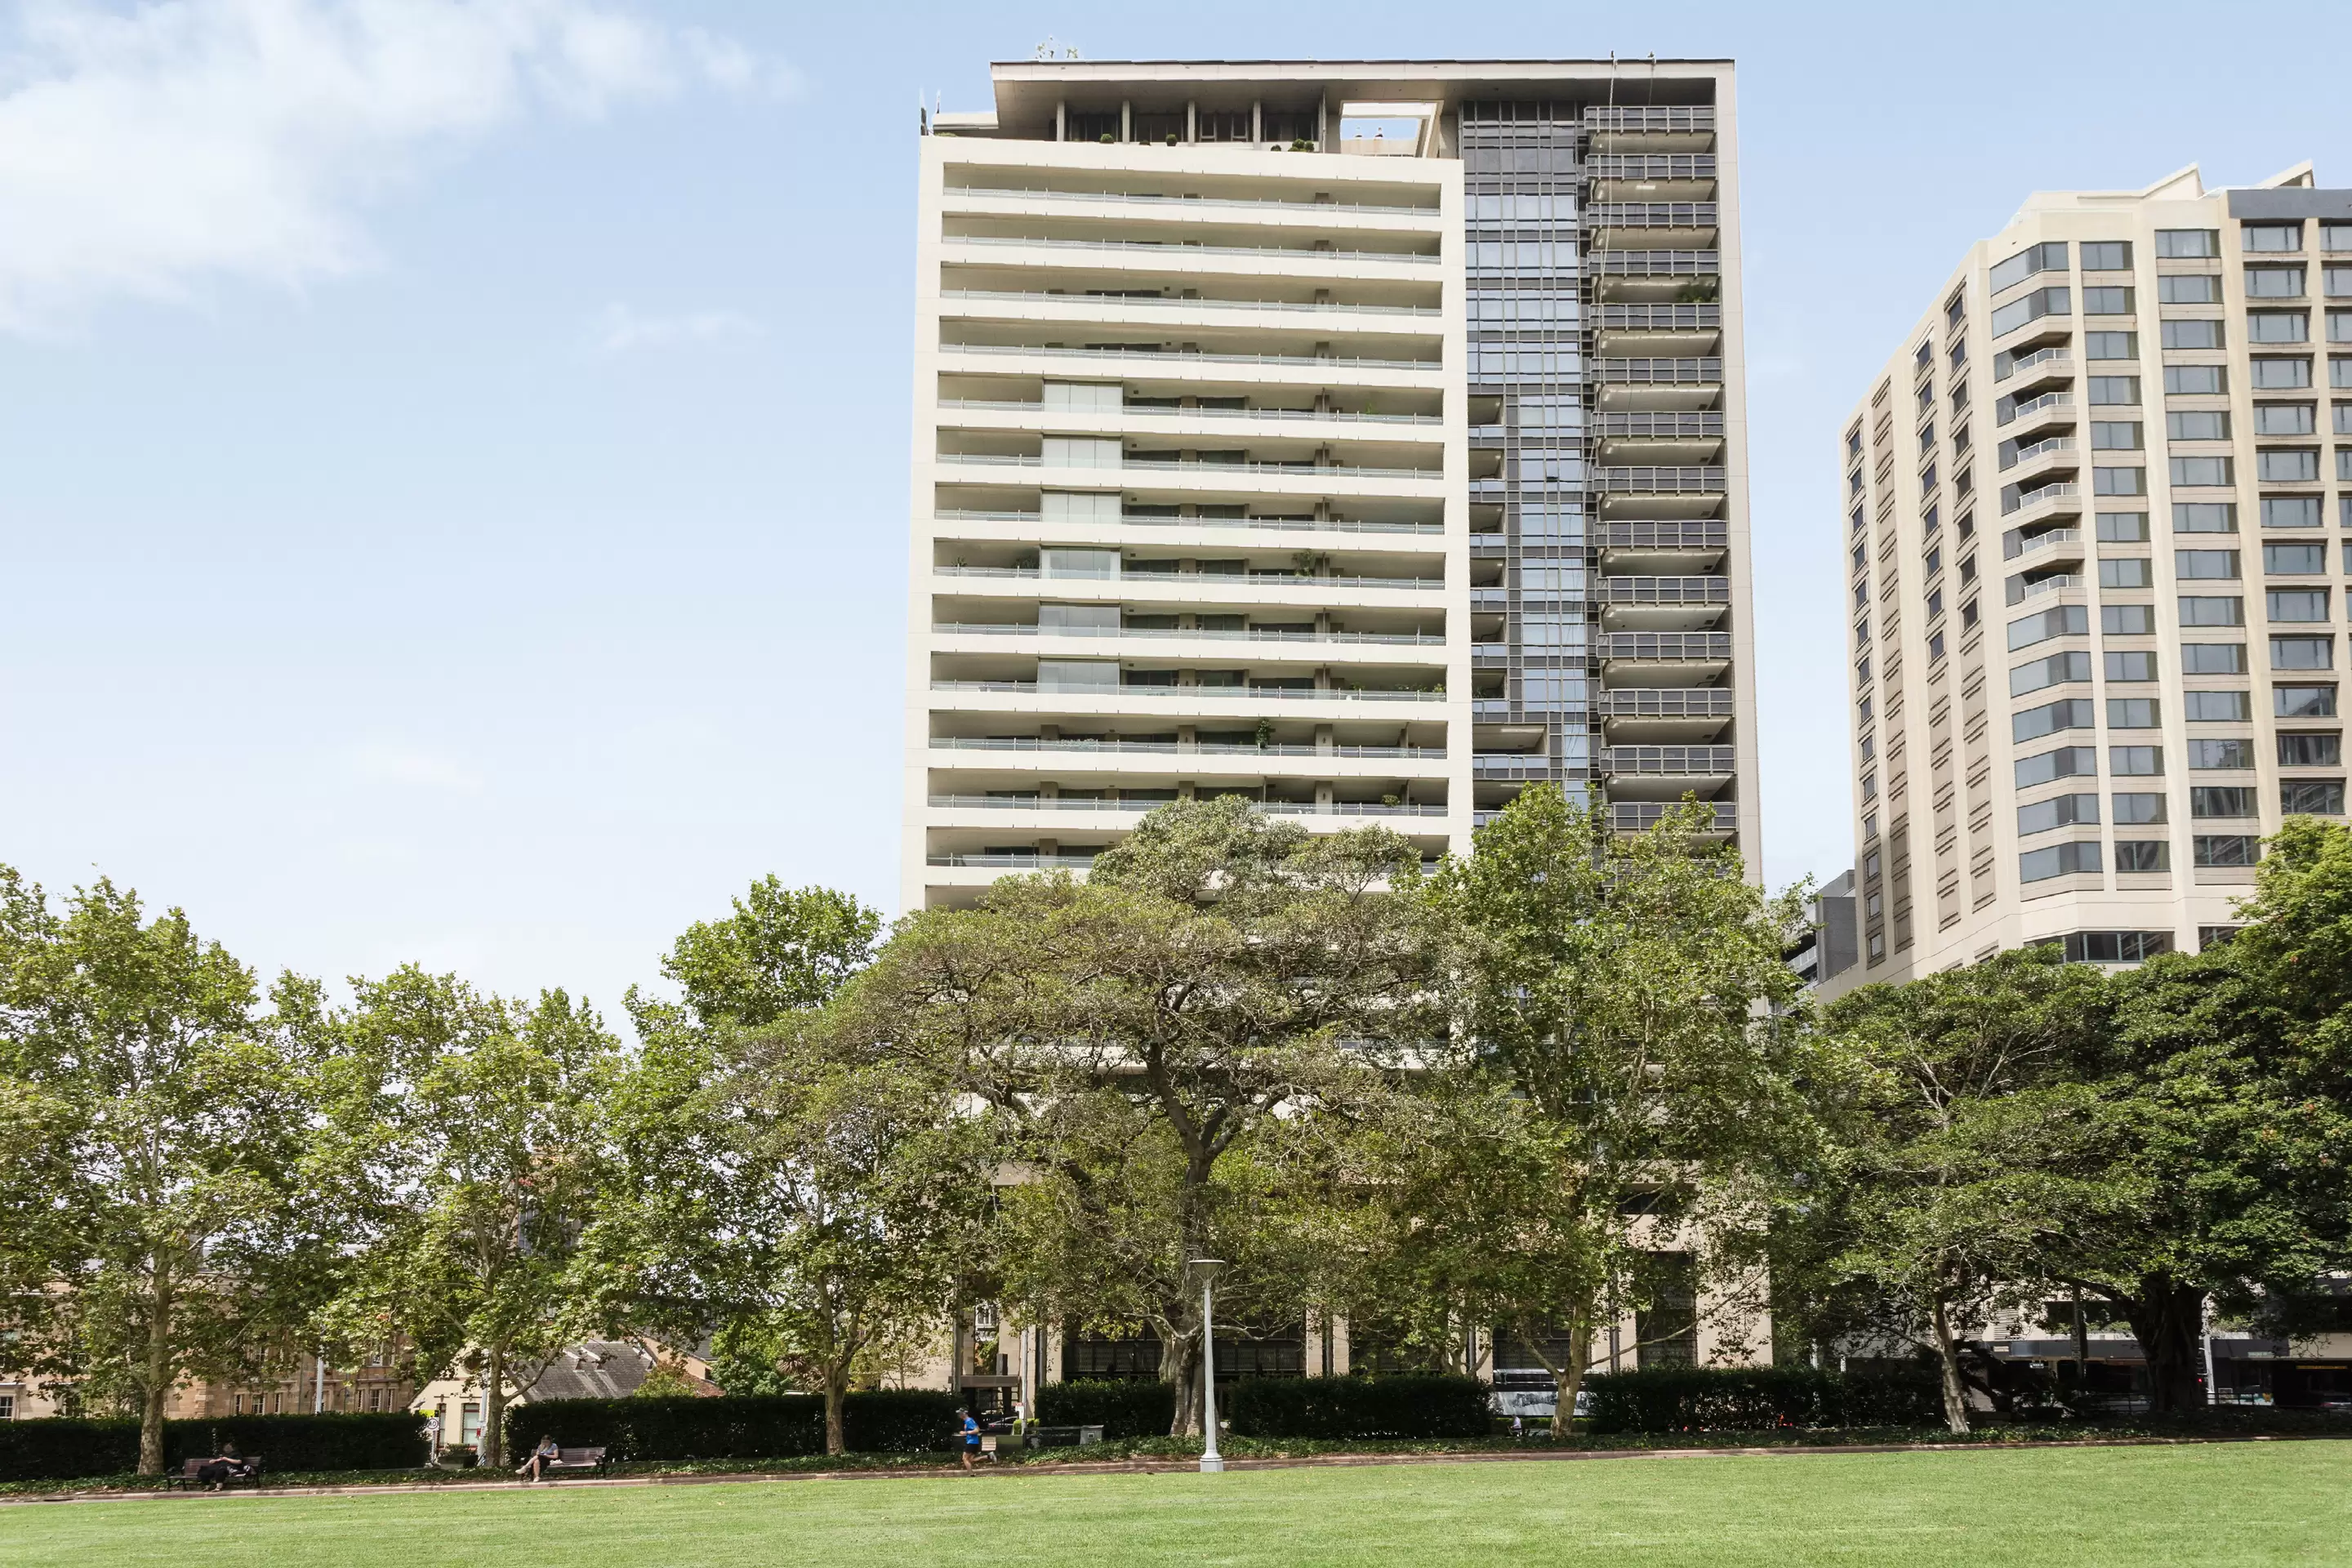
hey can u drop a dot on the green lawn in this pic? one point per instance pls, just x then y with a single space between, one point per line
2253 1503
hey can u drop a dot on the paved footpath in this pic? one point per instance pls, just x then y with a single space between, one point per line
1149 1467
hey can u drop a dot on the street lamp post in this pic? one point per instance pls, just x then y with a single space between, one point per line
1211 1460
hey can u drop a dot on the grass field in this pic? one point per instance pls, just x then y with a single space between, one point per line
2234 1504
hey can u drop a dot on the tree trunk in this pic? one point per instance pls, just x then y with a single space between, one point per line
1567 1378
1180 1366
159 1384
2167 1317
494 1408
1948 1355
836 1381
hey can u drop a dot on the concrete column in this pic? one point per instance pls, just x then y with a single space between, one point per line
1191 122
1060 120
1125 119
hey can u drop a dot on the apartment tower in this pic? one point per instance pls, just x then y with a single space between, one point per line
1363 439
2092 509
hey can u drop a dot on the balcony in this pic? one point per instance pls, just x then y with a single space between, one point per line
1650 166
1166 251
1117 304
1162 411
1614 591
1190 204
1197 696
2021 589
1175 358
1665 702
1697 762
1691 264
1649 424
1695 480
1641 815
1140 519
1270 807
2016 543
1003 862
1209 468
1518 767
1696 220
1700 372
1245 634
1691 533
1209 580
2039 360
1672 647
2049 404
1650 120
1117 748
2061 497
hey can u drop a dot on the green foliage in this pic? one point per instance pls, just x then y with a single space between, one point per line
62 1449
889 1420
784 951
1349 1407
1121 1408
1751 1398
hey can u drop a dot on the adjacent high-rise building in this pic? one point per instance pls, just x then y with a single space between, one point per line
1364 439
2091 512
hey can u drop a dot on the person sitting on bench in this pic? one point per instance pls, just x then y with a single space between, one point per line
226 1466
546 1454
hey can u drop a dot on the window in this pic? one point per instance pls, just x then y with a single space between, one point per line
1935 603
2136 810
2213 659
2226 850
2201 471
2216 707
2301 558
2188 244
2304 702
2222 800
1927 394
2271 237
2199 425
2114 946
2116 436
2325 750
2339 371
2336 282
2189 289
1927 477
2283 418
2142 855
2058 860
2335 237
2290 511
2111 390
1935 647
2205 564
1870 787
2106 300
1967 615
2130 665
2198 610
2111 345
2030 307
2057 670
2107 256
2196 380
2311 797
2121 527
2302 653
2128 620
2130 572
2339 326
1862 594
2066 761
1860 557
2119 481
2204 516
2204 756
2049 256
2286 465
2062 621
2270 283
2058 811
1934 562
2133 713
2278 326
2344 462
2129 761
2297 603
2066 714
2191 334
2280 374
1862 669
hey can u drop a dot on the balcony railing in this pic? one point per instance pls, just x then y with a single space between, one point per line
1112 747
1247 633
2064 491
1659 317
1704 425
1194 693
1659 372
1139 520
1198 579
1665 646
1691 759
1665 702
1122 300
1641 815
1192 204
1652 118
1153 410
2051 446
1650 214
1014 862
1665 591
1271 807
2009 412
1693 533
1650 166
1175 250
2014 545
1192 356
1660 482
1653 263
2018 364
2019 592
1277 470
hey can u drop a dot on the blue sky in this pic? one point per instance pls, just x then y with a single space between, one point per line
452 456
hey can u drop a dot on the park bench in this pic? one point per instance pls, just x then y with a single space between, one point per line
191 1477
576 1460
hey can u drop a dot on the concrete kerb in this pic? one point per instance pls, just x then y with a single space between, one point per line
1163 1467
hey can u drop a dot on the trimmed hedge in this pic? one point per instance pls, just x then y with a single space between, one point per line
56 1448
1344 1407
738 1427
1746 1398
1123 1409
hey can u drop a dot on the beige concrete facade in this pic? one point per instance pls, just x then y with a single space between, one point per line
1232 475
2093 511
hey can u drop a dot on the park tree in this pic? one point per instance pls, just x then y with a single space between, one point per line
1166 1048
1626 1073
470 1132
154 1226
782 950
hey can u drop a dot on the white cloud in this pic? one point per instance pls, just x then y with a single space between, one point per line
618 329
145 151
385 762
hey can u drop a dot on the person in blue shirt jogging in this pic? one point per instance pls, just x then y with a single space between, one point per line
971 1437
